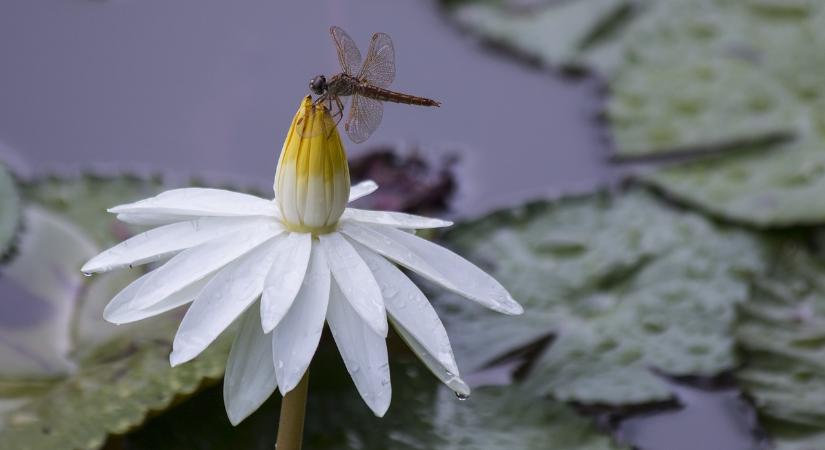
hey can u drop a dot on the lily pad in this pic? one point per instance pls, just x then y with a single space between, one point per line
9 211
109 394
424 415
629 288
555 33
767 187
84 200
42 285
698 105
782 332
81 380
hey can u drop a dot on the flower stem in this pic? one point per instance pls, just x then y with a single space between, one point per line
293 410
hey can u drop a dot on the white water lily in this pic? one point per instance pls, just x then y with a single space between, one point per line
284 267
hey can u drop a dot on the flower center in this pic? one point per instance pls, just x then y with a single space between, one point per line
312 179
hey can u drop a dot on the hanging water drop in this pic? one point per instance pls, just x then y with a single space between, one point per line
462 396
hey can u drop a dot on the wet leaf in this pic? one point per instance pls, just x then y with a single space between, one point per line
701 104
782 332
111 393
9 211
42 285
67 380
555 33
713 74
84 200
766 187
628 287
423 416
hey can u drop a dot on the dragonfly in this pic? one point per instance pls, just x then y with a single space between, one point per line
365 83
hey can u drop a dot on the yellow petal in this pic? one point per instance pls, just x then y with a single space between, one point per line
312 180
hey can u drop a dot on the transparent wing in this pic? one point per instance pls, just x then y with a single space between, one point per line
331 114
363 119
348 54
379 67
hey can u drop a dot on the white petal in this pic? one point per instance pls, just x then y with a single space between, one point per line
200 202
250 373
221 301
393 219
435 263
414 317
364 352
451 379
284 279
152 219
160 242
356 281
296 338
122 310
198 262
362 189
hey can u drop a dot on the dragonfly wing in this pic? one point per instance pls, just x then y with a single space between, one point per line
379 67
348 54
364 117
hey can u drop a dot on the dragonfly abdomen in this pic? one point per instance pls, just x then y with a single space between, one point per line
386 95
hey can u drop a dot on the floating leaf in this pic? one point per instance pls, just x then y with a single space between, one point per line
555 34
782 331
424 415
774 187
85 199
111 393
626 285
45 284
700 104
82 379
9 211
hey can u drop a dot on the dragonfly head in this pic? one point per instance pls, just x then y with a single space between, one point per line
318 85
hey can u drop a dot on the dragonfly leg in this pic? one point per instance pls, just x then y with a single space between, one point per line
338 114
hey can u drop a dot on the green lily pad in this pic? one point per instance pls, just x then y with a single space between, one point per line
556 34
766 187
9 211
782 332
67 379
701 104
109 394
45 284
627 286
84 200
423 415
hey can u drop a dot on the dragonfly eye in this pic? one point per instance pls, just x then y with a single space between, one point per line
318 85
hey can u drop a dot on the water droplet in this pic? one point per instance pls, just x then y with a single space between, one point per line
87 274
462 396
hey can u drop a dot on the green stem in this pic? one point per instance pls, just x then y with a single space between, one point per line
293 410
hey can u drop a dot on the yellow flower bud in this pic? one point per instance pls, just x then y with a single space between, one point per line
312 180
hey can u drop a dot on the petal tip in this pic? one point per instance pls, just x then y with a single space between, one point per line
381 408
91 267
178 357
515 309
234 417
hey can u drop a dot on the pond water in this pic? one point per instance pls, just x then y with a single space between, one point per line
197 87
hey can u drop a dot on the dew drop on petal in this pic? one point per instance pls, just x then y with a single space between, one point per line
461 396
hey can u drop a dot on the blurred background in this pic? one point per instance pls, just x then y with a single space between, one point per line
646 176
